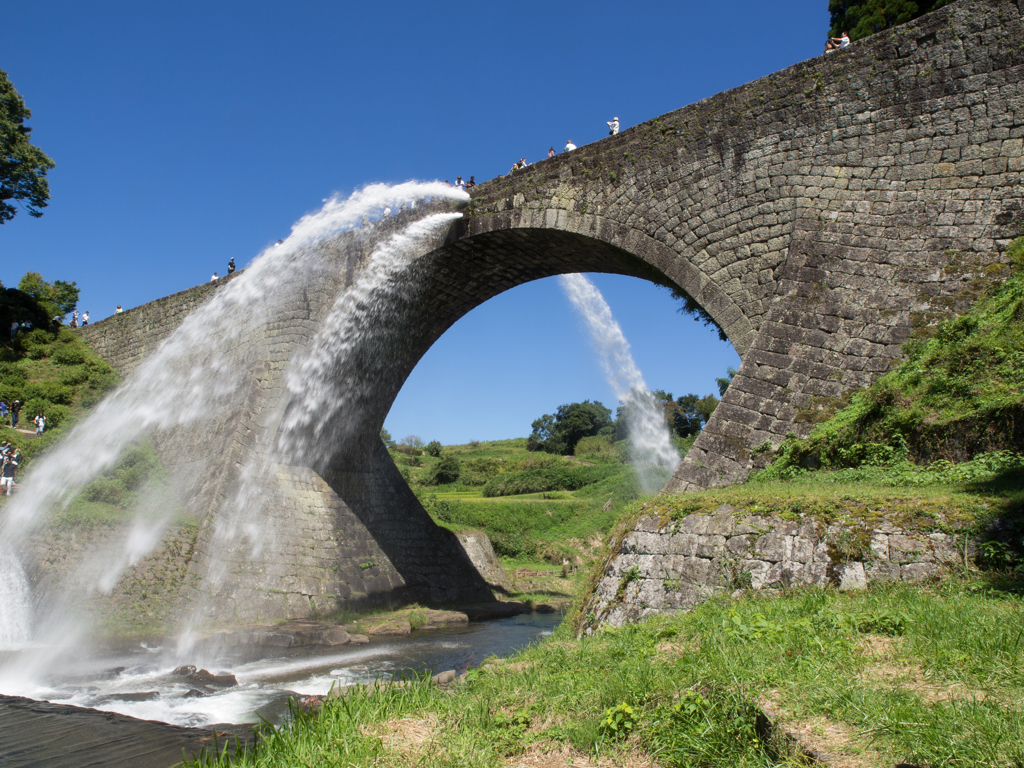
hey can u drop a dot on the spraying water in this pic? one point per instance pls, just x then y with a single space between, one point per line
15 611
651 444
182 383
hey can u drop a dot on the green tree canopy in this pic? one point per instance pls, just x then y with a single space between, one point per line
865 17
58 297
570 424
724 382
23 167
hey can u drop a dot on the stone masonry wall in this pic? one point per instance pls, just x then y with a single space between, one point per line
127 339
821 215
671 565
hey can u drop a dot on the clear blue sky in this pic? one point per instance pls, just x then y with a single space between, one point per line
188 133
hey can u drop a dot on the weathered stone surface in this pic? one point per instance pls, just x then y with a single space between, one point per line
641 581
821 215
478 547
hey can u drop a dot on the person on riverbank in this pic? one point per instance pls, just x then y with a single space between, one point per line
613 126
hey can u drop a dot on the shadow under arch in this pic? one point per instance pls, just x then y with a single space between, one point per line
404 315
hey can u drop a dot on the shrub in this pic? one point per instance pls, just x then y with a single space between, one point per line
447 470
434 448
564 478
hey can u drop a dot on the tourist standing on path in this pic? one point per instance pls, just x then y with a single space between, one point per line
15 413
14 330
613 126
3 410
569 146
231 265
85 319
40 421
8 473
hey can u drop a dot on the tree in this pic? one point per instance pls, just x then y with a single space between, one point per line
695 310
434 448
387 439
413 441
692 413
23 167
570 424
724 382
57 298
861 18
447 470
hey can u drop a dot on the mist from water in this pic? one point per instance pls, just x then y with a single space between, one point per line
183 382
651 446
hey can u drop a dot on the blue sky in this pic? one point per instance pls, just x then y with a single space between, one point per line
189 133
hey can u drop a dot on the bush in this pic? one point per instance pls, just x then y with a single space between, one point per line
555 479
434 448
447 470
66 354
598 449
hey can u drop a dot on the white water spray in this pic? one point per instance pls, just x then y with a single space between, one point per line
651 444
15 611
184 381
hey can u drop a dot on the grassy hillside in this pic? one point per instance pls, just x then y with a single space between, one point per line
51 372
538 508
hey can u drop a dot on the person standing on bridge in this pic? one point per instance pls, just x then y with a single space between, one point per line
569 146
118 311
231 265
85 319
551 151
214 278
471 183
613 126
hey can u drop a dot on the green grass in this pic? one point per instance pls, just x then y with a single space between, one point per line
958 394
893 674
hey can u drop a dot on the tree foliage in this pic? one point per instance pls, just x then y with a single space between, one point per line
724 382
23 166
570 423
866 17
57 298
695 310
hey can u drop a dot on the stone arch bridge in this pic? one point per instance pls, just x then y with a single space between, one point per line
821 216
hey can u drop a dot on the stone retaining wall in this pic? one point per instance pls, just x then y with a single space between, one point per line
671 565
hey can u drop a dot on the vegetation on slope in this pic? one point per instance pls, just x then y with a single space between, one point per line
957 395
895 674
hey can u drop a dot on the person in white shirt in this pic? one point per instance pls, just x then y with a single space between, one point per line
843 40
613 126
214 278
569 146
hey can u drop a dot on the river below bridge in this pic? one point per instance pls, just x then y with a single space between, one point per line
139 682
